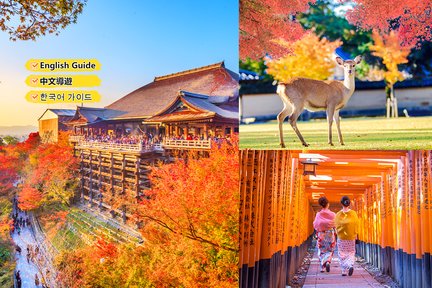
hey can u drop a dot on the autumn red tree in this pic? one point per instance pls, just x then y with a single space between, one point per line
411 18
264 22
51 169
29 198
191 221
8 173
105 265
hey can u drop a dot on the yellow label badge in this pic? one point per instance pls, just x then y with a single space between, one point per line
63 65
55 81
71 96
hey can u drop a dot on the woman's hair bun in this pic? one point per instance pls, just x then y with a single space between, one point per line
323 201
345 201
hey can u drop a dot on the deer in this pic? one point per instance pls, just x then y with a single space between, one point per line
317 95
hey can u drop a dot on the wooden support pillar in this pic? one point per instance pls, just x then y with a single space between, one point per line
137 176
205 132
100 179
124 173
82 175
112 174
91 179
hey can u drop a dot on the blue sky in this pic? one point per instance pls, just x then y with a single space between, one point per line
133 40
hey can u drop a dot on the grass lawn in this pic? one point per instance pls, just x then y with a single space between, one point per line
359 134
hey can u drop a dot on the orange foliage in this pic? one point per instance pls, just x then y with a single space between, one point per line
8 173
192 221
104 265
6 225
105 250
316 63
51 168
191 231
388 48
58 219
264 21
29 198
411 17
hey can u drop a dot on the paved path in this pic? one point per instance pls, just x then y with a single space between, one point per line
27 270
360 278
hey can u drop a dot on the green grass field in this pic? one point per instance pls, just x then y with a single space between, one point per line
359 134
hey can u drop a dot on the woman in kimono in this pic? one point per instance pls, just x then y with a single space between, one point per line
324 225
346 227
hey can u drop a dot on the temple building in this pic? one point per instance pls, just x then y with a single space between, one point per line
117 144
52 121
194 105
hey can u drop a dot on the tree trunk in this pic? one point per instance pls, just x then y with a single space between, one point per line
388 104
395 105
388 100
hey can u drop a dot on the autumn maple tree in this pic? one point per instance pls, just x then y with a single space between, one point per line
191 220
412 19
51 170
105 264
27 20
264 22
305 61
29 198
392 53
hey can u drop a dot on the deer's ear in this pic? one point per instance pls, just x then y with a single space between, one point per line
358 59
339 61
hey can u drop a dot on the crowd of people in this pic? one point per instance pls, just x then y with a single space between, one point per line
336 230
148 139
21 220
144 139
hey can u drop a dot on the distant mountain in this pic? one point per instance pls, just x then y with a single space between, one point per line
18 131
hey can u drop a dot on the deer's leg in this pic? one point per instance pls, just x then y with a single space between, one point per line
337 120
293 121
330 114
281 117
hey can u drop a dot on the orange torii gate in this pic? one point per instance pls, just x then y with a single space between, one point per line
390 191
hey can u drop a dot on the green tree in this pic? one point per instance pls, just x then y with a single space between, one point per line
10 140
322 19
27 20
258 66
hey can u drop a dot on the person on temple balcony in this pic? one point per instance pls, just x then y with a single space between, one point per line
324 224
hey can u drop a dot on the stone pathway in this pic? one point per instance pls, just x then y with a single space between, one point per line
28 270
360 278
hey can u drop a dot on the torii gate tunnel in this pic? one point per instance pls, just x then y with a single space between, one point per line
390 191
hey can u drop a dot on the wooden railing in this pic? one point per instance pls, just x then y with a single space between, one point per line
188 144
76 138
138 147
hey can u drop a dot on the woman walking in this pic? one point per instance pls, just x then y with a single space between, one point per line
346 226
324 225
